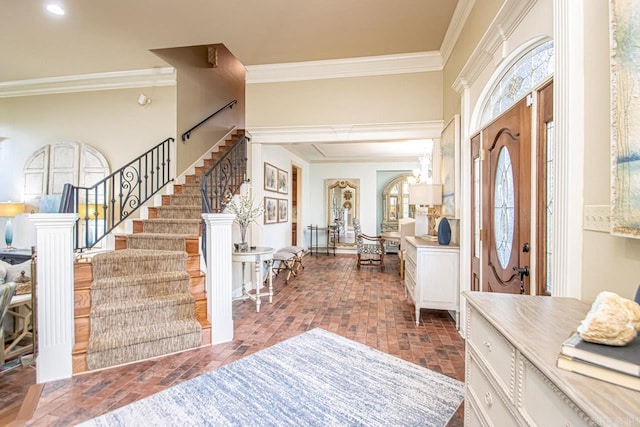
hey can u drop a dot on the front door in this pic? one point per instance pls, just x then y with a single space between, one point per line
506 196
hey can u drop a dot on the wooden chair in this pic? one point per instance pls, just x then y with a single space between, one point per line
368 253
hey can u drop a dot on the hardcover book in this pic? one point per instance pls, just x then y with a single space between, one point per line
598 372
623 359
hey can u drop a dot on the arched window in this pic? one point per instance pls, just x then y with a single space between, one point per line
524 75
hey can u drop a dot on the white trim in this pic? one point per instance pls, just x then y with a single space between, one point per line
459 18
344 133
568 189
419 62
164 76
503 25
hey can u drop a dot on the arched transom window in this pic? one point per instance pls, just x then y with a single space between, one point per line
524 75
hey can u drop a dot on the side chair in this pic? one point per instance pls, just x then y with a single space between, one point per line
368 253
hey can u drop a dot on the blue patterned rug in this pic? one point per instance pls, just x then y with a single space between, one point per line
315 379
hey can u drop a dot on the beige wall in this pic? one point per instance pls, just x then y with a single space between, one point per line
376 99
110 120
608 262
479 19
201 90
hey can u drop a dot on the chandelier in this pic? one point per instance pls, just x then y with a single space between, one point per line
425 173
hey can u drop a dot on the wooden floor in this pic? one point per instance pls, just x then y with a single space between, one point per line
367 306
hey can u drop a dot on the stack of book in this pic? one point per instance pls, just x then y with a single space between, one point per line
617 365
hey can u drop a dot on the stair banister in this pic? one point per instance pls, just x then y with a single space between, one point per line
106 204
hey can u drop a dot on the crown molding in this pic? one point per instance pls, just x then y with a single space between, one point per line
162 76
346 133
418 62
458 20
506 21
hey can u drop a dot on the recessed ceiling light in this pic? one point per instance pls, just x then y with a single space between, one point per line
56 9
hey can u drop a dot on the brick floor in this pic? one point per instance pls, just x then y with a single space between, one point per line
367 306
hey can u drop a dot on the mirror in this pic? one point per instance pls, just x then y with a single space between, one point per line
395 205
343 201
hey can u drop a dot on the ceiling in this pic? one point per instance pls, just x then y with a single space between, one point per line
117 35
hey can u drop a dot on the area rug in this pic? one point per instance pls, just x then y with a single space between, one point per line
315 379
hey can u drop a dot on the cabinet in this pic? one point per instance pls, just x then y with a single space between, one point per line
512 345
432 275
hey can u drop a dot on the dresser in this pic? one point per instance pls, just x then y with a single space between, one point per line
512 345
431 277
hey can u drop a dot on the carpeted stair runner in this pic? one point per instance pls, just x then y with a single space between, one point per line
141 305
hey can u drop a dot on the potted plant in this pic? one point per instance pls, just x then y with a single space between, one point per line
242 208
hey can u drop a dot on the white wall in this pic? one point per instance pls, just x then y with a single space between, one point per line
110 120
370 200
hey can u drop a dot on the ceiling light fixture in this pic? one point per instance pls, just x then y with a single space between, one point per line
56 9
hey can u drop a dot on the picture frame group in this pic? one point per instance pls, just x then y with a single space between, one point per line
275 210
275 179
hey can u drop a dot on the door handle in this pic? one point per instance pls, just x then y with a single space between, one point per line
523 271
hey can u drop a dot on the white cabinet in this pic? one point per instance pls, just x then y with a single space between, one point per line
512 345
431 275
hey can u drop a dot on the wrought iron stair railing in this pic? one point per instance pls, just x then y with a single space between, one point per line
223 180
103 206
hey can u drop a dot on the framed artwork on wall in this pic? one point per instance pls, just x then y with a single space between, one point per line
270 210
283 185
625 127
283 211
270 177
450 168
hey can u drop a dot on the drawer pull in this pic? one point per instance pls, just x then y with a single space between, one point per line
488 345
488 399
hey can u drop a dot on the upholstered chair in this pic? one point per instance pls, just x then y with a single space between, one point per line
7 290
368 253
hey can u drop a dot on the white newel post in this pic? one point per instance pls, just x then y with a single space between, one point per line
219 276
55 329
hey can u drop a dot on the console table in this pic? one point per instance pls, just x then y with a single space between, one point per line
15 256
432 276
513 342
333 236
257 256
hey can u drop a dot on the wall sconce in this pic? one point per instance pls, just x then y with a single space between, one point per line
429 195
144 100
9 210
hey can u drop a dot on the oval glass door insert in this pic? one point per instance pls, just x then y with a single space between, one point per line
504 208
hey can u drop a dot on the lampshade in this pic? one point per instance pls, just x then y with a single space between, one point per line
90 211
425 194
11 209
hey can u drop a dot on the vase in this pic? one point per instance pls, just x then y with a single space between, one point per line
242 246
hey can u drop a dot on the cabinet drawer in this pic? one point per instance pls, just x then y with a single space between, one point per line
472 417
542 404
489 401
495 351
411 252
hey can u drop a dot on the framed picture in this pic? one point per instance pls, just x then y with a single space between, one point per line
283 186
625 127
283 211
270 210
450 168
270 177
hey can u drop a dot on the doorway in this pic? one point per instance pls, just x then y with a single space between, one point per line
511 215
296 197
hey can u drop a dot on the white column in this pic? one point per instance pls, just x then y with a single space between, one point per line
219 276
568 116
54 295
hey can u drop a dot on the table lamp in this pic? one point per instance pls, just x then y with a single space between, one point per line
428 195
9 210
87 213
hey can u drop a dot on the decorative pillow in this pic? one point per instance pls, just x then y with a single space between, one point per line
3 271
14 271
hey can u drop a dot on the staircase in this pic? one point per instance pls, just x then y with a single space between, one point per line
151 289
